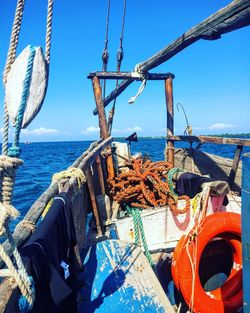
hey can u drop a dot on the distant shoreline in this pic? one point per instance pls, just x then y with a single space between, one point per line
241 135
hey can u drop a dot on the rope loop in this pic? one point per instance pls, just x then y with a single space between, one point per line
139 232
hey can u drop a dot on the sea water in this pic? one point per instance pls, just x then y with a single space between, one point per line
42 160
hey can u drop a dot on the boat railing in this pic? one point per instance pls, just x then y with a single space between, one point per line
89 160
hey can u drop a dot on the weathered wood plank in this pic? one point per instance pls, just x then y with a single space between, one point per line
235 165
210 139
94 153
130 75
119 277
208 164
93 202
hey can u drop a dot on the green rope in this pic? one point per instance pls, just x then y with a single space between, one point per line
15 150
171 173
139 232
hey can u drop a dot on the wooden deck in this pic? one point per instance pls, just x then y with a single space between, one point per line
118 278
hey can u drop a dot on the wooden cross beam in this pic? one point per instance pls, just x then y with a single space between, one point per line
128 77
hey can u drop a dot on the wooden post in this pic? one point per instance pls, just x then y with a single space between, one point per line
170 119
93 201
104 133
245 220
100 174
235 165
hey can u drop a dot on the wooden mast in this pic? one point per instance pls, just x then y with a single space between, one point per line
170 119
104 133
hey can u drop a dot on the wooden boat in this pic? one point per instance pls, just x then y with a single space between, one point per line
122 255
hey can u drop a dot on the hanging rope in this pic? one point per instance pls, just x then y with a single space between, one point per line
140 90
48 31
10 59
119 58
105 53
15 150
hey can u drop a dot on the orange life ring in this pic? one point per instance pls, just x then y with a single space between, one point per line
227 298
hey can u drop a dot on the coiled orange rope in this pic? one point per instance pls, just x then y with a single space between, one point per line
145 186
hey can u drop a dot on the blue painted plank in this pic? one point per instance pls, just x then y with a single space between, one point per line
245 216
118 278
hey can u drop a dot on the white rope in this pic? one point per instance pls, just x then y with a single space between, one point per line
48 31
140 90
20 275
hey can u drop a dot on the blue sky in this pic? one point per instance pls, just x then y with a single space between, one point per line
212 77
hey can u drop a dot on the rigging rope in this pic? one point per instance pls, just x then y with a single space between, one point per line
119 58
48 31
105 53
10 59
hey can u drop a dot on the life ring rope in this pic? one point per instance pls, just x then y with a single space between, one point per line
186 260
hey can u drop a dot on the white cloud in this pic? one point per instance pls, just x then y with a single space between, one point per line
221 126
40 131
127 130
135 129
216 126
91 130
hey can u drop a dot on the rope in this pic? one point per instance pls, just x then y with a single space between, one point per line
10 59
140 90
20 275
119 58
105 53
48 31
72 172
15 150
145 185
171 173
26 224
139 232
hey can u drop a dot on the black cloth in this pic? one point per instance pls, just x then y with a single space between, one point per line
52 243
190 184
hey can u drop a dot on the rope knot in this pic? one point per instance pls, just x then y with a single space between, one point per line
14 152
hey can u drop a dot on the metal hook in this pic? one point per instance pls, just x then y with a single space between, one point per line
179 104
188 130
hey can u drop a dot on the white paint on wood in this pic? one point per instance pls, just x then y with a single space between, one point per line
163 229
38 85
